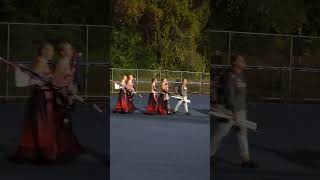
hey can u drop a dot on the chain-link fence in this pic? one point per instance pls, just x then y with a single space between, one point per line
199 82
282 67
19 43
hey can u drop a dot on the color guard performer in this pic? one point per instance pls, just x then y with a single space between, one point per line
68 145
122 103
234 100
130 93
163 99
182 91
38 140
152 107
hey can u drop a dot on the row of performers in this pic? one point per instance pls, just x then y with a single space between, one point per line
47 135
158 103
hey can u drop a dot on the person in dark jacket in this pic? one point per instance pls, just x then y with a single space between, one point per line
234 90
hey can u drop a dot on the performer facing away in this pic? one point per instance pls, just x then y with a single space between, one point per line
152 107
130 93
182 91
235 100
38 140
122 103
68 144
163 99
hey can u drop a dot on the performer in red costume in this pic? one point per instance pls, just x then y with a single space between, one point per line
163 100
68 145
122 103
152 107
130 93
38 140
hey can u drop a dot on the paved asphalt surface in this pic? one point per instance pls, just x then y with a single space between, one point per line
175 147
90 127
286 147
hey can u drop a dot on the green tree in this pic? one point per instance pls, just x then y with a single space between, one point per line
164 34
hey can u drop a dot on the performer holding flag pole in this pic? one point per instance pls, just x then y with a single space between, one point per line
152 107
235 101
64 78
163 98
122 105
182 92
38 140
130 93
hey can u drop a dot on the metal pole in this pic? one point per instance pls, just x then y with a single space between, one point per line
290 67
137 79
7 68
87 57
229 48
201 81
112 81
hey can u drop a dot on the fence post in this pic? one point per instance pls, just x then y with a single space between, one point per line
201 80
7 67
290 68
229 48
112 80
86 62
137 79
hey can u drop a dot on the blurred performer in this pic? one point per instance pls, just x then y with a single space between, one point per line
122 103
235 100
77 57
182 91
38 140
68 145
130 93
163 99
215 76
152 107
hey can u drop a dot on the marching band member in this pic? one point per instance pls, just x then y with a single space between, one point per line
235 100
122 103
38 140
130 93
152 107
182 91
163 99
68 144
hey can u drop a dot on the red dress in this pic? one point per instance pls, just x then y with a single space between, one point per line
131 106
152 107
38 140
130 94
46 137
122 103
68 145
163 105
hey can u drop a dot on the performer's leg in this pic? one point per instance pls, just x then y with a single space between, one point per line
177 106
220 132
186 106
243 138
243 142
